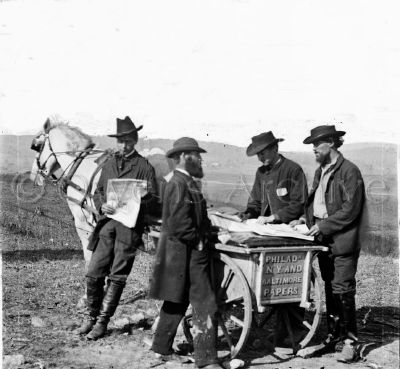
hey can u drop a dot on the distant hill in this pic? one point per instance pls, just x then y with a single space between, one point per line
372 158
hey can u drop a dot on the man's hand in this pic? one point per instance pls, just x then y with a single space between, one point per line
264 220
314 231
296 222
244 216
107 209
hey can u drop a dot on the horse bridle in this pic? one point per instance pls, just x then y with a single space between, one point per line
65 181
38 146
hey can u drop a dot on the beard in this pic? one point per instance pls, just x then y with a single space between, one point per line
194 168
323 159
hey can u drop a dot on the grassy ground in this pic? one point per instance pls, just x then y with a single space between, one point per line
43 278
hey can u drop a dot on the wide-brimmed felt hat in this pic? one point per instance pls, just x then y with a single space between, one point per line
184 144
261 141
125 127
321 132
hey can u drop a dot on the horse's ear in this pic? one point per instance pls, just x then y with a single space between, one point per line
47 125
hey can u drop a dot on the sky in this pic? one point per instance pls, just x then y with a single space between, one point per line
216 70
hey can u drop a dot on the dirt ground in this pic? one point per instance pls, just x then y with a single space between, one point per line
40 313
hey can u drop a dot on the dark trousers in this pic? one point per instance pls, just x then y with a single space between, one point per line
339 272
202 299
115 252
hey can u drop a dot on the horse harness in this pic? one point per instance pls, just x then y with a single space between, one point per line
38 146
65 182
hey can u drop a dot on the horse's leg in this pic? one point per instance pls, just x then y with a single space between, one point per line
87 254
84 237
84 230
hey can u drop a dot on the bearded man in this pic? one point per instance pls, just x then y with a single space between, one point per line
333 213
180 274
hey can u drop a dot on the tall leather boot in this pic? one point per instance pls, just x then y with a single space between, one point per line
332 313
95 292
108 307
348 327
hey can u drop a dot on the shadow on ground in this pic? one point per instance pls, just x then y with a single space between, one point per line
378 327
42 254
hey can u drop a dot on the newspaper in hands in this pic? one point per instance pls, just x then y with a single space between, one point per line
125 195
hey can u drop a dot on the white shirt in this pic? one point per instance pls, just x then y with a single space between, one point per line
183 171
320 210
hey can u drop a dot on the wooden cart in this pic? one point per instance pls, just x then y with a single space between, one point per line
263 283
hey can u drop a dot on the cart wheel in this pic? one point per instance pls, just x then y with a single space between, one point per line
313 313
234 306
299 325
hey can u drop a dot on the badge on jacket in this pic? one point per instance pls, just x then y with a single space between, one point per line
281 191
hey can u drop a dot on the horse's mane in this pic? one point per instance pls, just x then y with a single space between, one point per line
77 140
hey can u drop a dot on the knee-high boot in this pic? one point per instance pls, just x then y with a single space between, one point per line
348 326
108 307
347 315
332 312
95 291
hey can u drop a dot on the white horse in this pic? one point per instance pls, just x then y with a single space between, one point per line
66 154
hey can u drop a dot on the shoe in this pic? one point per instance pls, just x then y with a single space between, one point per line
86 327
173 358
339 346
98 331
348 353
212 366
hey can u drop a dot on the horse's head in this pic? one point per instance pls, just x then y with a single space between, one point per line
56 145
45 163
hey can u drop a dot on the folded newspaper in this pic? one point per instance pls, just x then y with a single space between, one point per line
251 225
125 196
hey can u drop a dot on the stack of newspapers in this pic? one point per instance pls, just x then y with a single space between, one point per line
233 223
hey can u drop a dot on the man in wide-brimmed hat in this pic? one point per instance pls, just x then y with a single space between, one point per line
280 187
114 245
333 213
278 196
180 274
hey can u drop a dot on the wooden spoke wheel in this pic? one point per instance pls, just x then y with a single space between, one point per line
292 325
234 306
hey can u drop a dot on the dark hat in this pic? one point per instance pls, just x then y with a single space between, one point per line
320 132
125 127
184 144
261 141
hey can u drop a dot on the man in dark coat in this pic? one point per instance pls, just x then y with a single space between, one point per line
333 213
114 245
278 196
180 274
280 187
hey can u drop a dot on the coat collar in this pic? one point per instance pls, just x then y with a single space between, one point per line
183 171
189 180
183 176
276 165
129 163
